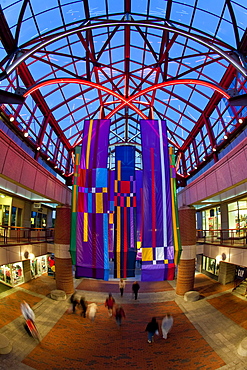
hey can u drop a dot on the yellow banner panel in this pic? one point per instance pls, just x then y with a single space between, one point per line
119 170
85 227
147 254
89 142
99 202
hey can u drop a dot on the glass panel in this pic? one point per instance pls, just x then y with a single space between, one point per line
13 216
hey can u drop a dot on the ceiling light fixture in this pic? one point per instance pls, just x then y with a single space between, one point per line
240 120
25 134
11 118
214 149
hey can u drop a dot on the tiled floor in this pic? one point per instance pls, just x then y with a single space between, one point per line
205 335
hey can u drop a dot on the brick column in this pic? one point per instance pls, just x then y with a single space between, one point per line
63 262
186 267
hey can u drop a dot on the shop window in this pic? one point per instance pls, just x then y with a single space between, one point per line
13 216
237 216
210 265
5 215
44 221
33 218
17 273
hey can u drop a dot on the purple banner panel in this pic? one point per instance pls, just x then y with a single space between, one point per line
92 221
95 144
157 211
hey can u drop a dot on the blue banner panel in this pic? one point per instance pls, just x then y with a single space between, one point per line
125 213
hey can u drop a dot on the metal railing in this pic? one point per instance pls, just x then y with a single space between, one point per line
231 237
21 235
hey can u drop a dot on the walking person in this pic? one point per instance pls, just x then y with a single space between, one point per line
166 325
109 303
91 311
27 312
119 314
83 304
121 286
135 289
74 301
152 328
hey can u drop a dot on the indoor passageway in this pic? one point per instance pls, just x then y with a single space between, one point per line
205 334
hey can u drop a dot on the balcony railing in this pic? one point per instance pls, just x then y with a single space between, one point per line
230 237
22 235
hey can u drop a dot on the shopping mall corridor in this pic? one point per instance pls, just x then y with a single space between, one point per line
205 335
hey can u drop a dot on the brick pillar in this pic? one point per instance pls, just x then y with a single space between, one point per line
63 262
186 267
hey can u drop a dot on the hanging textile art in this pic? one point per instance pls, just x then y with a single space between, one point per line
90 203
175 222
157 242
139 214
125 213
111 180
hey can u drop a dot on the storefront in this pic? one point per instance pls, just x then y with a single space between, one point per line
210 267
237 216
13 274
211 219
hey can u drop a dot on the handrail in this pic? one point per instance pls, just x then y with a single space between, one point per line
19 234
232 237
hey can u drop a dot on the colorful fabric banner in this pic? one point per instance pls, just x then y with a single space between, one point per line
175 221
139 214
157 243
90 203
125 213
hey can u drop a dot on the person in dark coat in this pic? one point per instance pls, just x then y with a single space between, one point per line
135 289
83 304
119 314
74 301
152 328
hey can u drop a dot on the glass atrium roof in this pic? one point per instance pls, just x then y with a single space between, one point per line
181 61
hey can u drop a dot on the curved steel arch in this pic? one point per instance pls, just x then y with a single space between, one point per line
86 27
88 83
131 98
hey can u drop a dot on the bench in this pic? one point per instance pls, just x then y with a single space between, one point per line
58 295
191 296
242 347
5 345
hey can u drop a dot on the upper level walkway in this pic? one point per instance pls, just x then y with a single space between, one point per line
205 335
224 237
14 235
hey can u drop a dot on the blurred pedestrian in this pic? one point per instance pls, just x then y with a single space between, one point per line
121 286
83 304
109 303
74 301
152 328
92 308
119 314
166 325
27 312
135 289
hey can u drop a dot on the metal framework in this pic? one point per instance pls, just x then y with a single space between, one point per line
155 59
